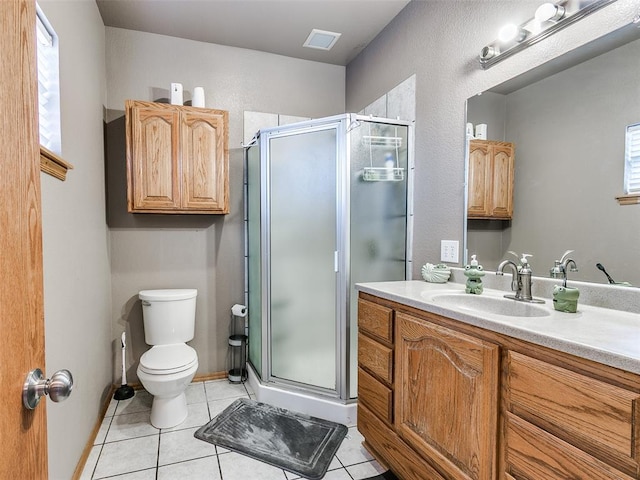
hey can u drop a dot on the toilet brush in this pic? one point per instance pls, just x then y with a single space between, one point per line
125 391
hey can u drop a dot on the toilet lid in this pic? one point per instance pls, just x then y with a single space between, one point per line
164 359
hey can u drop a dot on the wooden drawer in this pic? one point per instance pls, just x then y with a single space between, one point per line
533 453
375 320
593 415
375 395
375 358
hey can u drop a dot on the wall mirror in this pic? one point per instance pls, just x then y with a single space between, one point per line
567 121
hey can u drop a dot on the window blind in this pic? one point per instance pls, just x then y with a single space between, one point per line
48 84
632 160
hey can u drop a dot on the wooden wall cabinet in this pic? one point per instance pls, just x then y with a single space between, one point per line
491 176
177 159
440 399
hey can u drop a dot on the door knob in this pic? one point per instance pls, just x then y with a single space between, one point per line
58 387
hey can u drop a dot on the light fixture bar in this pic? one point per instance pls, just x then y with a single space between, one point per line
538 29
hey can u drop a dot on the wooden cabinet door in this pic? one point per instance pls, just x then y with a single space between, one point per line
502 181
153 158
446 403
479 179
204 167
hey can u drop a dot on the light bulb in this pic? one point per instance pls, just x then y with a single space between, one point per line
548 12
511 32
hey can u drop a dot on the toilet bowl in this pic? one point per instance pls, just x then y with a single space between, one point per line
167 382
167 368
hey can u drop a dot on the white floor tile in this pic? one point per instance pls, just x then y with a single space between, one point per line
90 464
240 467
195 393
340 474
334 465
198 416
199 469
111 409
102 431
351 450
220 389
140 402
127 456
149 474
365 470
217 406
182 445
131 425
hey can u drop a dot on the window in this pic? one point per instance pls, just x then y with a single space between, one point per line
632 160
48 84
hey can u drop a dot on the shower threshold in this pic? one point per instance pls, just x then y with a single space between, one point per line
329 409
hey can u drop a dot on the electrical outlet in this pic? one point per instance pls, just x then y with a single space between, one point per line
449 251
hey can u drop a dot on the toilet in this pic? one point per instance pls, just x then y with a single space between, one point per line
167 368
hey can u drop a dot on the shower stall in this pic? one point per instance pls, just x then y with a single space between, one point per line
327 206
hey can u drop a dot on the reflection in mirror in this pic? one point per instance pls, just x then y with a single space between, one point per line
568 132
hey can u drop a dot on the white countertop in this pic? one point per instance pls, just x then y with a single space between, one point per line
610 337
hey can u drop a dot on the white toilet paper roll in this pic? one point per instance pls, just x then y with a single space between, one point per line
198 97
239 310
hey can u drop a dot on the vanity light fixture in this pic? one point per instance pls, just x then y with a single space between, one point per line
549 12
548 19
512 33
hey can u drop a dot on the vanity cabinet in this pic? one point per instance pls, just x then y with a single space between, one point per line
177 159
442 399
436 405
491 177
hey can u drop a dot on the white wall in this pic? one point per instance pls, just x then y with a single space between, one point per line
77 281
204 252
440 41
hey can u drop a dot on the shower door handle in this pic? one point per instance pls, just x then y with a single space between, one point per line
335 262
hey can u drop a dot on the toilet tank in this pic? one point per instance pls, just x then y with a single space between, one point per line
169 315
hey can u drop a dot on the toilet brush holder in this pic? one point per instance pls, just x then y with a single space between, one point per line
124 391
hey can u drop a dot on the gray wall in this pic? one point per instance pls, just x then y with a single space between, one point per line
204 252
77 281
440 41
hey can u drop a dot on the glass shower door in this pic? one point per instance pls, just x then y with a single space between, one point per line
303 239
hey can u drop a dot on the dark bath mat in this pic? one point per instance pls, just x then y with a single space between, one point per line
293 441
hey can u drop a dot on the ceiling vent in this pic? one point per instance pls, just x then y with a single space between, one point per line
321 39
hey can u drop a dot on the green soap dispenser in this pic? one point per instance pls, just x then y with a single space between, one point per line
474 274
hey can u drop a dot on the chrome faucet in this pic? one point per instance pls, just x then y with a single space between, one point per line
521 283
560 267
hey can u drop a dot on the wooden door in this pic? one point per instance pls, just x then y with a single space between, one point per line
23 435
153 151
446 407
479 179
502 181
204 160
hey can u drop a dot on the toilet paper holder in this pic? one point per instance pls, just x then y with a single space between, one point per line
238 345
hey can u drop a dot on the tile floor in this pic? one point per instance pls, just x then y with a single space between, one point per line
127 447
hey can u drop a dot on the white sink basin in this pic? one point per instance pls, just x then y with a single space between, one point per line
493 305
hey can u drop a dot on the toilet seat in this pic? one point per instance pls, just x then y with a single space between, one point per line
167 359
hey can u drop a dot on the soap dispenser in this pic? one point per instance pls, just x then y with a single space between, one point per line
474 273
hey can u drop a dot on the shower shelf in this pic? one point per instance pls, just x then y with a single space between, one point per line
379 141
383 174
